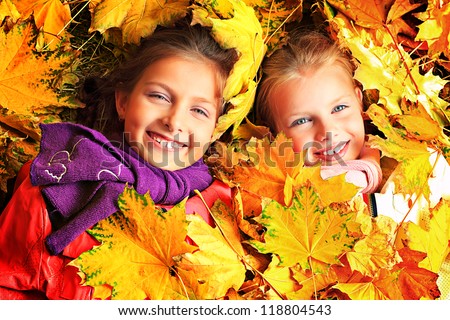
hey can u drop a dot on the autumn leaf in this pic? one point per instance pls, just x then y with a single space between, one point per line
51 18
273 15
15 150
271 163
397 75
433 240
413 156
306 232
135 18
279 279
372 13
218 264
415 282
376 249
404 280
248 130
325 188
243 33
24 76
8 9
139 244
371 290
379 19
435 27
311 283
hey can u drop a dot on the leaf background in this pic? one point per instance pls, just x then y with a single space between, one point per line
50 46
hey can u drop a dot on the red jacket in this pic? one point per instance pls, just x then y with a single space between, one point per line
28 271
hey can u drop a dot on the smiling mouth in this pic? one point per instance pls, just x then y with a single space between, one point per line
167 144
335 150
331 152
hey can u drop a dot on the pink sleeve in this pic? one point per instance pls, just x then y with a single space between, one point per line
362 173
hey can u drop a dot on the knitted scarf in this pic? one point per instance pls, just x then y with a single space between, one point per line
82 174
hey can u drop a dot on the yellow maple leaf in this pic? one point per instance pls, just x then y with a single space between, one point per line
50 16
387 67
420 125
364 290
413 156
218 265
376 249
242 32
306 233
279 279
326 189
434 240
135 18
311 283
136 257
24 75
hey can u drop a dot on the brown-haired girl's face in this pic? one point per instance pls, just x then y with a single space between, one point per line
170 114
322 113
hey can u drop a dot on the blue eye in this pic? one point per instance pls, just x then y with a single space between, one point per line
339 108
300 121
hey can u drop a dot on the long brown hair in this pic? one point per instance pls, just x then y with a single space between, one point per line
183 40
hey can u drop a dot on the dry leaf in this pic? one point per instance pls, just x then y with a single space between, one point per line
218 264
137 253
306 232
24 76
135 18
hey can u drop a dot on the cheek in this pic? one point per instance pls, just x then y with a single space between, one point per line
299 141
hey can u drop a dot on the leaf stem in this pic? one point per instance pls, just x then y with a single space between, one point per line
403 60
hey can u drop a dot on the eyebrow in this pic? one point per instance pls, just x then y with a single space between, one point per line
335 101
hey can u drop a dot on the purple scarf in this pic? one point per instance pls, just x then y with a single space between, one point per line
83 174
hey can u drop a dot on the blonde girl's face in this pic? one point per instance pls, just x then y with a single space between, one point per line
171 113
322 113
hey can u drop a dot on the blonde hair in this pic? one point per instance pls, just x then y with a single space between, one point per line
304 52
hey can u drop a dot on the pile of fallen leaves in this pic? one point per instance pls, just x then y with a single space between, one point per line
288 234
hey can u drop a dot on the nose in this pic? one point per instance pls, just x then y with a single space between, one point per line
325 131
173 120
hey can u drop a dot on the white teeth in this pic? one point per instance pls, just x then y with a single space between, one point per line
335 150
168 144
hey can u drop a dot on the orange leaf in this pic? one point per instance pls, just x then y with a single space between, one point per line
416 282
50 16
24 75
435 28
272 163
